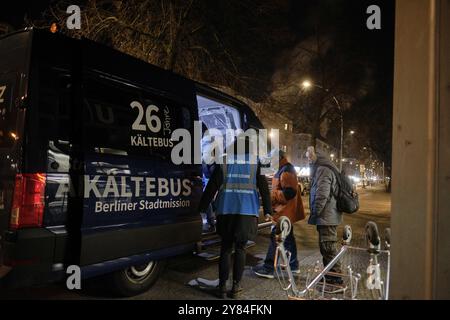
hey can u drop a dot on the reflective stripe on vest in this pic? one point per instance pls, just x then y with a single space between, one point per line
238 193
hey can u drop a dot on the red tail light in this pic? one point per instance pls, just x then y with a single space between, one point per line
28 202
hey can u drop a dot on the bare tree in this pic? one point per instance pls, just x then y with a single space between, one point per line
208 41
315 110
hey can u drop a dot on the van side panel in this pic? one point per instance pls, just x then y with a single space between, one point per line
140 209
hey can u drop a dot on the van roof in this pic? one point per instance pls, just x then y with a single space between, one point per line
113 63
109 62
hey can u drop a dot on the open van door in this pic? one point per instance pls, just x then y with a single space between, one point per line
220 111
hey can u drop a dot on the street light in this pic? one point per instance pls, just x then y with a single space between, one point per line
352 132
307 84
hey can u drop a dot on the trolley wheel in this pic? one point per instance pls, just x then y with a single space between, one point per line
284 225
347 235
387 236
372 233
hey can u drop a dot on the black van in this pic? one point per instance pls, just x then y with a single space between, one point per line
86 177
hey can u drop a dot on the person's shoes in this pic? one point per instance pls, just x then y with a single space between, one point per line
236 290
222 291
295 271
335 281
263 272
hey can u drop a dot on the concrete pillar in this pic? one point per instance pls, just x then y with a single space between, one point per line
421 151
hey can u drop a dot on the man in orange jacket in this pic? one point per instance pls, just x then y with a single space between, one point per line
286 201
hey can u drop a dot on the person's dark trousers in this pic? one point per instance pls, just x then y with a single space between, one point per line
210 216
328 244
289 245
225 260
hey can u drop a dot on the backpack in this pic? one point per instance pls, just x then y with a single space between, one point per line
347 200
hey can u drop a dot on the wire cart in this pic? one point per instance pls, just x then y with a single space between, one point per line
364 271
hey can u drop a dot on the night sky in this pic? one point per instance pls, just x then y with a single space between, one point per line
373 114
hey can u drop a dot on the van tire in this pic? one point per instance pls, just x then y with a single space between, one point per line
136 279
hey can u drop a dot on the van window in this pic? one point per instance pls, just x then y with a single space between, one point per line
54 105
217 115
49 121
121 119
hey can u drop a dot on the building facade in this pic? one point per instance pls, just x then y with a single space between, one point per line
284 126
301 141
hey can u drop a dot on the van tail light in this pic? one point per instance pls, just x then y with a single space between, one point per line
28 201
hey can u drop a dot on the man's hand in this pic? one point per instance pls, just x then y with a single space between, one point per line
268 218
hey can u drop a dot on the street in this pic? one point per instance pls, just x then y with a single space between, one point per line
179 271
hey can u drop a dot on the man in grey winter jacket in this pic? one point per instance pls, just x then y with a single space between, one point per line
323 208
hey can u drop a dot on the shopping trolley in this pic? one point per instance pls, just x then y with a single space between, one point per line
364 275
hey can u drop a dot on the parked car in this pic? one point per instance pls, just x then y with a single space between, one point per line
304 184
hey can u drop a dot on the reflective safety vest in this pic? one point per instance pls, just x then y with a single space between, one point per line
238 193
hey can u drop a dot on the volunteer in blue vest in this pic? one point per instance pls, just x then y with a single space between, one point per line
235 185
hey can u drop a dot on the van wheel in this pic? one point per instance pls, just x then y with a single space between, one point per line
136 279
